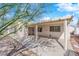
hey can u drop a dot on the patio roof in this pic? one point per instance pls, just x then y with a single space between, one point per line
55 22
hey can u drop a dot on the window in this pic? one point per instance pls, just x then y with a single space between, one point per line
51 28
39 29
55 28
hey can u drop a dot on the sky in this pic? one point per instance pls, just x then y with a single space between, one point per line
58 10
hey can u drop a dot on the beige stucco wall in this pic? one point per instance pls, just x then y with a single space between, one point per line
46 31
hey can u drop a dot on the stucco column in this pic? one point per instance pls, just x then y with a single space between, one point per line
36 31
26 31
65 34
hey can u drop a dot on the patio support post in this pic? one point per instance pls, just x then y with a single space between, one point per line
36 32
26 32
65 34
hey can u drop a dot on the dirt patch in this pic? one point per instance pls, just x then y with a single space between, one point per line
75 43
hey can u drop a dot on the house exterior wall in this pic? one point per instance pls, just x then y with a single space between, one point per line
46 31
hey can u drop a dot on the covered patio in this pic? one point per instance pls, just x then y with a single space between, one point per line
64 31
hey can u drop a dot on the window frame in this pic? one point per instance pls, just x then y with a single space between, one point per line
55 28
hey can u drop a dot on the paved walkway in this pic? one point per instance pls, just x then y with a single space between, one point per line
55 49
